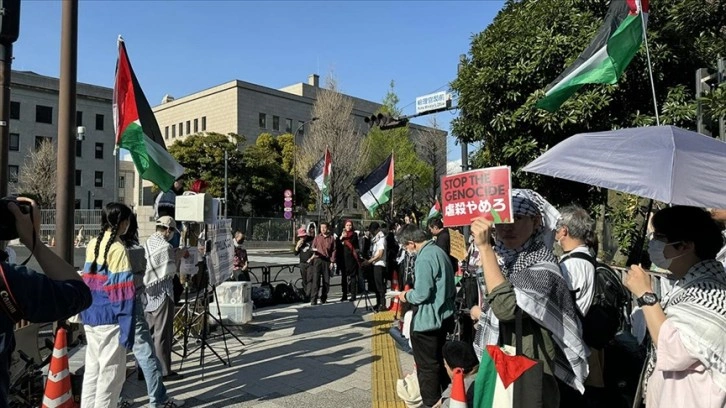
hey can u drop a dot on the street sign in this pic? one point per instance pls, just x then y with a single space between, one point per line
431 102
288 215
288 200
288 193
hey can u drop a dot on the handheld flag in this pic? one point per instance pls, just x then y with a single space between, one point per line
435 211
607 56
136 128
321 172
375 189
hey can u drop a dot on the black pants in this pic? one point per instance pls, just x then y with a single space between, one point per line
349 277
305 278
379 273
320 269
430 370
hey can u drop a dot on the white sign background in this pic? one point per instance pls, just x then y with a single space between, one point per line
219 261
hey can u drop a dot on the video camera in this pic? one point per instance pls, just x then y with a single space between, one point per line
8 232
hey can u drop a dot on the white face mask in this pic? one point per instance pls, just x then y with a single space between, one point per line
655 252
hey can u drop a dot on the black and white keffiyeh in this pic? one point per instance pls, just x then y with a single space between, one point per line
160 262
541 291
696 305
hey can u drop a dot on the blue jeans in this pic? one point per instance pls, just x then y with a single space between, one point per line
146 359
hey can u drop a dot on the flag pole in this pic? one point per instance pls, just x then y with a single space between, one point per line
650 65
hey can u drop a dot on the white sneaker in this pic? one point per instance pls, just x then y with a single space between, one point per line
173 403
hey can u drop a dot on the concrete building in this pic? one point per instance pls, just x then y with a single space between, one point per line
34 117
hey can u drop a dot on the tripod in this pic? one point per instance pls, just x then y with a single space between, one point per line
366 299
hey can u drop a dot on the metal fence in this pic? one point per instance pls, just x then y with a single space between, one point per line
87 222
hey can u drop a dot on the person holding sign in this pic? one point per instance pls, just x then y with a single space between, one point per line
521 272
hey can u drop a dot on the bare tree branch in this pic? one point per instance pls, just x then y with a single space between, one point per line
37 176
335 129
431 148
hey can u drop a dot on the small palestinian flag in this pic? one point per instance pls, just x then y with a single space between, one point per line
320 173
495 381
614 46
435 211
375 189
137 130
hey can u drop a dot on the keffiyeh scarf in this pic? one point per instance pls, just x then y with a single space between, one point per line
541 292
160 263
696 305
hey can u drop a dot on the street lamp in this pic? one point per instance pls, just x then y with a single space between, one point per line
294 162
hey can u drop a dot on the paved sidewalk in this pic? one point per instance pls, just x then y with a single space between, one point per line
295 356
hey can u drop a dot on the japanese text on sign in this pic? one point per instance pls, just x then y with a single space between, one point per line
431 102
484 192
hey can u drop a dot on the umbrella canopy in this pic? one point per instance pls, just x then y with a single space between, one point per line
665 163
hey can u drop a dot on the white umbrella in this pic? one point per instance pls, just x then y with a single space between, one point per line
664 163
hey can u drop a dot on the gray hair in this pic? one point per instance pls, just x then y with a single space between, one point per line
411 233
578 222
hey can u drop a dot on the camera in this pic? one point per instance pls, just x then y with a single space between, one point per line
7 219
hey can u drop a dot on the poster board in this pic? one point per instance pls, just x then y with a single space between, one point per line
220 258
458 245
477 193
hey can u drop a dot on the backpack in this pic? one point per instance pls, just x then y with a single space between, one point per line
284 293
262 295
610 302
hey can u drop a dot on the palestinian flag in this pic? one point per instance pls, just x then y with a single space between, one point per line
320 173
375 189
136 128
435 211
614 46
495 381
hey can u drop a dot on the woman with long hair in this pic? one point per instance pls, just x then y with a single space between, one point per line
351 261
521 276
109 322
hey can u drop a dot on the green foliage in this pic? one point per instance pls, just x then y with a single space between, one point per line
267 173
202 155
531 42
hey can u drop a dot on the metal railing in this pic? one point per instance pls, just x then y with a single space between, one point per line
88 222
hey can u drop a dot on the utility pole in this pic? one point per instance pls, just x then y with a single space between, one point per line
9 30
65 185
706 81
226 158
464 145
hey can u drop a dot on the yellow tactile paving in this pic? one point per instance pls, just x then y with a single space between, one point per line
386 366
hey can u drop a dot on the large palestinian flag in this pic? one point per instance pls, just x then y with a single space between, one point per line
320 173
375 189
614 46
136 128
495 381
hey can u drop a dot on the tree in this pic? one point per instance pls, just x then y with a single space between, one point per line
336 130
432 147
202 155
531 42
410 170
268 173
37 176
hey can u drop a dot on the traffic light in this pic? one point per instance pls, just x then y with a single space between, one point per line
384 121
9 21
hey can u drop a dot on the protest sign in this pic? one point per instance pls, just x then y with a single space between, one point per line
189 262
458 245
219 260
478 193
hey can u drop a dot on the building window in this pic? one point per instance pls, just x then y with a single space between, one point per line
173 131
43 114
288 125
99 151
39 141
275 122
189 127
196 125
14 110
181 129
99 121
98 204
14 142
79 118
166 132
13 172
122 182
300 125
98 179
78 178
263 120
204 123
79 148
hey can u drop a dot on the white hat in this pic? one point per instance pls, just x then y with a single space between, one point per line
166 221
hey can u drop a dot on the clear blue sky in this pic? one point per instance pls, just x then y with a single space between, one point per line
180 47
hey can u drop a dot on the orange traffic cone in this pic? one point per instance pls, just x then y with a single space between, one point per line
395 304
58 392
458 390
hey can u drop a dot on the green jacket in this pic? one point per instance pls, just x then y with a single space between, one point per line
434 289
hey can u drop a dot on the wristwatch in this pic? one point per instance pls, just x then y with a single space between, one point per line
648 299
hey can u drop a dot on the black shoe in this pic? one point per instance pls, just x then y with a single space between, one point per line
323 301
313 302
352 299
172 376
344 298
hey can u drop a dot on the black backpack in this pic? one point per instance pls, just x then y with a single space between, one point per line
608 312
284 293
